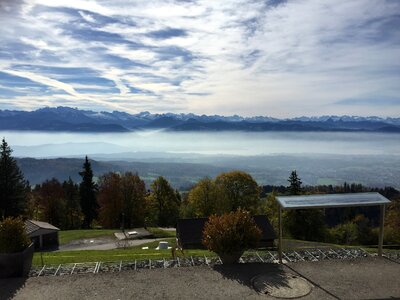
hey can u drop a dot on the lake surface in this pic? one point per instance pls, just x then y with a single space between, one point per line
43 144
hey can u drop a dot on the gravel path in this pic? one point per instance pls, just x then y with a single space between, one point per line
366 278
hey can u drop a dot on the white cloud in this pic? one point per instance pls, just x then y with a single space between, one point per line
45 81
87 17
245 57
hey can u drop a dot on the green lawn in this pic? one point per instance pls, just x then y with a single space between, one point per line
137 253
67 236
160 233
132 253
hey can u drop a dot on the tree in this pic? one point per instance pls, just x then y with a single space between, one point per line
304 224
271 208
110 200
87 192
121 200
164 201
72 205
51 199
239 190
392 226
295 184
13 187
203 198
133 192
230 234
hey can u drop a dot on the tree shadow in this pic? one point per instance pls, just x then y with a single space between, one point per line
10 286
243 273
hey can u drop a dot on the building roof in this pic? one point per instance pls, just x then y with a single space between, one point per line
189 232
32 226
267 231
332 200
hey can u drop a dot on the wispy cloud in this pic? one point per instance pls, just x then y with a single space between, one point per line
45 81
279 58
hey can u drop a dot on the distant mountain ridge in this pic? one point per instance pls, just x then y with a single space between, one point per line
76 120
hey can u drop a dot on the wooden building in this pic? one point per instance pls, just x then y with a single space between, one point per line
189 232
42 234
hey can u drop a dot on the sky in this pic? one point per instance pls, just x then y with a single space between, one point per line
254 57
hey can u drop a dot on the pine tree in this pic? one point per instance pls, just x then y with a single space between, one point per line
87 192
295 184
13 187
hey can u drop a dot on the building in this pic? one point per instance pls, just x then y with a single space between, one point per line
42 234
189 232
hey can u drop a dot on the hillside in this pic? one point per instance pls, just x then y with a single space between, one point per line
183 172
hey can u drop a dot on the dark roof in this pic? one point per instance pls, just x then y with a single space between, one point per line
32 226
189 232
265 226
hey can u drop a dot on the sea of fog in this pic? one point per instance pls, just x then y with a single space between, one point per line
50 144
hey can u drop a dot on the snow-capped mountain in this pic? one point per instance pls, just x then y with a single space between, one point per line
73 119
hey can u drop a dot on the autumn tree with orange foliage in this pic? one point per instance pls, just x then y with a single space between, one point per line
121 199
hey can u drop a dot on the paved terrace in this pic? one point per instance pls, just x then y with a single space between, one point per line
358 278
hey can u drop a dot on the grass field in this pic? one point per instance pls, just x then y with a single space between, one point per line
160 233
132 253
137 253
67 236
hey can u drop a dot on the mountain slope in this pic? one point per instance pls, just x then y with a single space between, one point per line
75 120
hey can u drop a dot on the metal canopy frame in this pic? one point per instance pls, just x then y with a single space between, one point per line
332 201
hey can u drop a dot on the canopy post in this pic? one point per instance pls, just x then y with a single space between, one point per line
280 235
381 227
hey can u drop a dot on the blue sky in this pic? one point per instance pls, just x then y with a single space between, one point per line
275 58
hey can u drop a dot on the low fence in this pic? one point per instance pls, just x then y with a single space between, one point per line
252 257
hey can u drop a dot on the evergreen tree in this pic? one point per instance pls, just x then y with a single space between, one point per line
13 187
295 184
87 192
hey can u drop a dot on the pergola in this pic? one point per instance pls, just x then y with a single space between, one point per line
332 201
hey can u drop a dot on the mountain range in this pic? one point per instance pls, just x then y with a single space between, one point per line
76 120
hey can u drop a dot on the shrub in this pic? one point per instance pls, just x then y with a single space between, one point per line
231 232
13 237
343 234
392 235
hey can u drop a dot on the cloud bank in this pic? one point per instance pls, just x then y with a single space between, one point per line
277 58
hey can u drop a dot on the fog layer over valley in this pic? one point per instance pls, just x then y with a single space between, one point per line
43 144
183 158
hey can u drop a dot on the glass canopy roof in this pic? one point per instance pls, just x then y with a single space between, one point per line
331 200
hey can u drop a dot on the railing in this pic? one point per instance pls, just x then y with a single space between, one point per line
291 256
